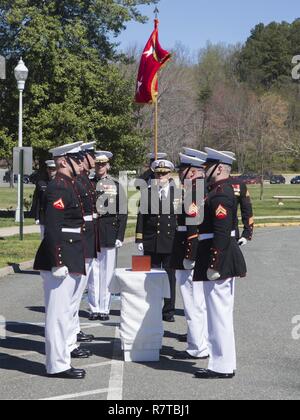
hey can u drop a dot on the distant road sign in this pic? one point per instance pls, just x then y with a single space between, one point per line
28 153
2 67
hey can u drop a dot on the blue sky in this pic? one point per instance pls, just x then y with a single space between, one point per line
194 22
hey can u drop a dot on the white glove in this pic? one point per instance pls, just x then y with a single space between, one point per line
37 222
242 242
118 244
140 247
60 272
213 275
189 264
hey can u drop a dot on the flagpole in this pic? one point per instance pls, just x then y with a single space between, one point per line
156 128
156 12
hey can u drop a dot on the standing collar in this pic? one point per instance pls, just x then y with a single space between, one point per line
217 184
65 177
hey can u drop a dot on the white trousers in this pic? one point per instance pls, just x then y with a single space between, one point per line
103 271
59 295
75 306
195 313
219 298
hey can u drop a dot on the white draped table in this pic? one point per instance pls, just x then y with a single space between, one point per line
141 327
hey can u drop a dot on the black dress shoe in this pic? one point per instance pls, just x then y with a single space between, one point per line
169 318
70 374
84 338
209 374
184 355
94 317
103 317
182 338
80 354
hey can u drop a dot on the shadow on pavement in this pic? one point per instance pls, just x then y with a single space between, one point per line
18 364
17 270
22 328
101 350
172 365
179 312
38 309
14 343
176 336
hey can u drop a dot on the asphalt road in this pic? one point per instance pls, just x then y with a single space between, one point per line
268 356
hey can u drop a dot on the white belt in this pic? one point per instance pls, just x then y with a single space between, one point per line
206 236
88 218
66 230
181 229
95 215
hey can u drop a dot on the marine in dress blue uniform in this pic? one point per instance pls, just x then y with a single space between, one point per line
191 174
111 229
87 195
61 260
218 263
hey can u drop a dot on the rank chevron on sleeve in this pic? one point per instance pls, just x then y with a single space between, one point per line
221 212
59 204
193 210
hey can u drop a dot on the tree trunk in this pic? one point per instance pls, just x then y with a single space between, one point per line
262 179
11 178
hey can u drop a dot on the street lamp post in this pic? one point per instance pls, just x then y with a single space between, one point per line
21 74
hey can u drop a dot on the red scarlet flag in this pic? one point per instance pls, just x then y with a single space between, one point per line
153 58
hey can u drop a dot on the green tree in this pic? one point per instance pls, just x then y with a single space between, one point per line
75 90
266 57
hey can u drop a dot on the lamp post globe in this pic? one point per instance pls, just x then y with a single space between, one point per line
21 74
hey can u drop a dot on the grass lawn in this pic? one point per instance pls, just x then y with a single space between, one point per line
269 206
130 231
13 251
8 222
8 197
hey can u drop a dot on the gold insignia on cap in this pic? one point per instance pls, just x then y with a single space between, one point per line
102 159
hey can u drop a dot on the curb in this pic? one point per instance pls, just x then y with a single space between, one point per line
276 225
6 271
10 270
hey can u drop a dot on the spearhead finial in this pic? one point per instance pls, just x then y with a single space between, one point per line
156 12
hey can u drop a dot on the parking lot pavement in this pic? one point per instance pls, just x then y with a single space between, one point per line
268 354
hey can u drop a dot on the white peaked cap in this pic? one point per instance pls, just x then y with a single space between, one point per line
194 153
160 156
88 146
103 157
50 164
67 149
191 161
232 154
219 157
162 166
